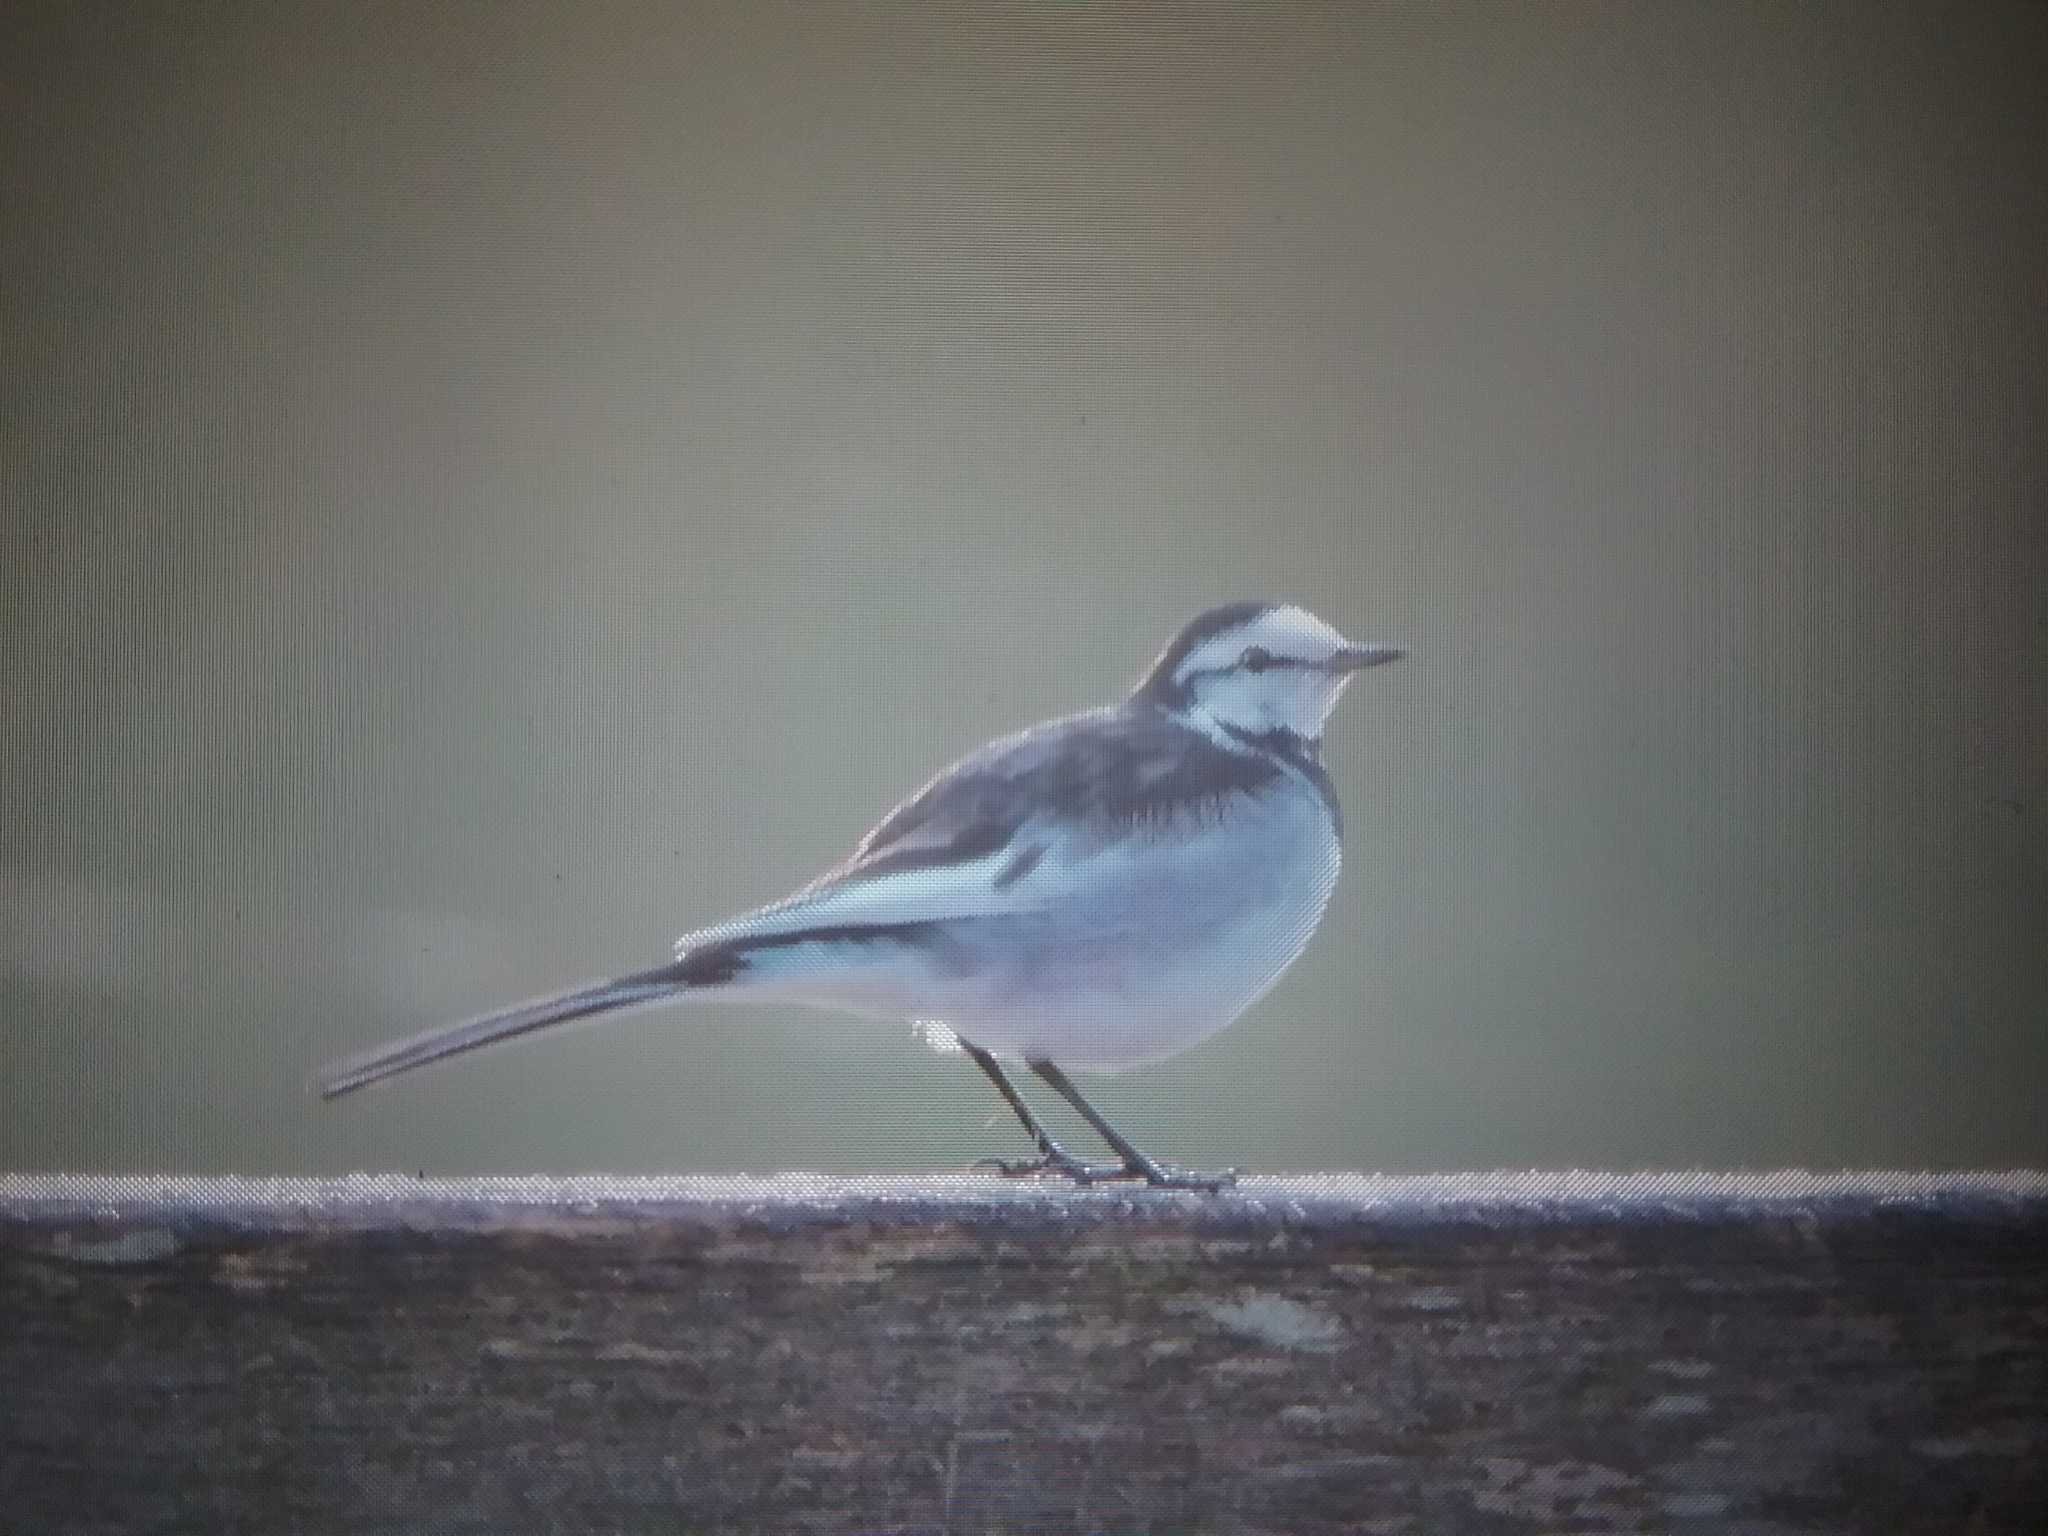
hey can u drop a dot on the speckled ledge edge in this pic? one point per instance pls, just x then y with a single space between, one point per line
1505 1198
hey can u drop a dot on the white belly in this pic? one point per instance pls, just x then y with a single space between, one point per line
1160 944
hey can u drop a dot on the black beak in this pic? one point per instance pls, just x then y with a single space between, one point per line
1356 658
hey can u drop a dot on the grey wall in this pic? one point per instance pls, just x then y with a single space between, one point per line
489 488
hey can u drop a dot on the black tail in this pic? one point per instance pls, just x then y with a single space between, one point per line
712 964
635 990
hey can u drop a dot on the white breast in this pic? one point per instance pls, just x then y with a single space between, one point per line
1151 945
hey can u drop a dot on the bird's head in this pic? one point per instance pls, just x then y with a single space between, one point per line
1259 670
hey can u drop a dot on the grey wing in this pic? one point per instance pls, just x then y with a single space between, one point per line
1003 830
956 848
1089 780
973 810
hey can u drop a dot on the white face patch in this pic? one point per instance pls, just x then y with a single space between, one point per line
1290 688
1285 633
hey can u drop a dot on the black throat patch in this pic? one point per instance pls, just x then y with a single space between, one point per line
1301 753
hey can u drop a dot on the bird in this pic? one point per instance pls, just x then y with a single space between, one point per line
1095 893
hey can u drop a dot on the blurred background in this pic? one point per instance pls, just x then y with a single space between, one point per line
490 487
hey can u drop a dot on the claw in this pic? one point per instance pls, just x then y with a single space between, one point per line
1059 1163
1157 1175
1167 1176
1054 1158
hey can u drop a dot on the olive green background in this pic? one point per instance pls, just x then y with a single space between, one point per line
490 487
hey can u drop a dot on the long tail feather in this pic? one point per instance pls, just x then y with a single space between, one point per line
438 1044
709 962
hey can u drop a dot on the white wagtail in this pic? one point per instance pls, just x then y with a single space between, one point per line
1096 892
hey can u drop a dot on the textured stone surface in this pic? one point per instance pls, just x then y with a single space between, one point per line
1526 1354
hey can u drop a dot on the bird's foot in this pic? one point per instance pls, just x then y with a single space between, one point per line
1057 1160
1168 1176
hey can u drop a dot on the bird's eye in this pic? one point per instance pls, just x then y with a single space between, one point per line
1256 658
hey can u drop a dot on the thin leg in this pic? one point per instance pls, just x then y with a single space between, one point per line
1052 1157
1136 1163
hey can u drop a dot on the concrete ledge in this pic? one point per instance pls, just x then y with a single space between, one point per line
1769 1353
